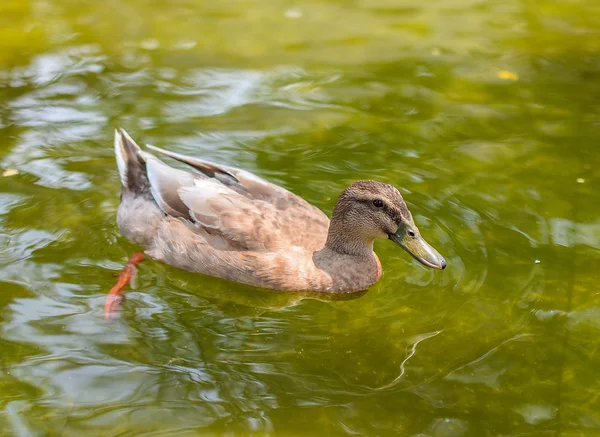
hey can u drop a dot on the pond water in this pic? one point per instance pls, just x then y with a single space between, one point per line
486 114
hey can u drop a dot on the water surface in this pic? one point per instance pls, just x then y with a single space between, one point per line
485 114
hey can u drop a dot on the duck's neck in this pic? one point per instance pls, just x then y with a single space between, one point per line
349 261
343 238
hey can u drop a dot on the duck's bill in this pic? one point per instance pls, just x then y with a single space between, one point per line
420 250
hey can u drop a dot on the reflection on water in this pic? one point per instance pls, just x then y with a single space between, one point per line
484 114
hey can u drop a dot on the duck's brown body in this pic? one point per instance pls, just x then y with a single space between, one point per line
228 223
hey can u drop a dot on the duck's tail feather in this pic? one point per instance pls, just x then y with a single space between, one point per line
131 164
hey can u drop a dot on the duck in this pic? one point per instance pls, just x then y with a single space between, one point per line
229 223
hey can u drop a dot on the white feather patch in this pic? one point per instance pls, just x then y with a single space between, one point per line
121 162
212 187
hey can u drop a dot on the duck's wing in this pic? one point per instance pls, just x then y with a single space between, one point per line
242 181
215 208
254 224
165 181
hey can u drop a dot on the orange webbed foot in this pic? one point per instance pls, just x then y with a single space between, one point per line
115 295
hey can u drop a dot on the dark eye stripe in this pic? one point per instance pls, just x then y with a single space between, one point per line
391 212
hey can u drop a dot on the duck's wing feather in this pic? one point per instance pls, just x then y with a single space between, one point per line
256 225
165 181
242 181
214 207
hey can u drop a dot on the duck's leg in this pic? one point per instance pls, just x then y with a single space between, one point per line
115 295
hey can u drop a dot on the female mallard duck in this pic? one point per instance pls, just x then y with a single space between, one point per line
229 223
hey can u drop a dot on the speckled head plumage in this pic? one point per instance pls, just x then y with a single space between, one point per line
392 203
367 210
373 209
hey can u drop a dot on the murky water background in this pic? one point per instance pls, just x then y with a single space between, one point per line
485 113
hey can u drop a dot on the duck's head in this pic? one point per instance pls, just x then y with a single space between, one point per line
367 210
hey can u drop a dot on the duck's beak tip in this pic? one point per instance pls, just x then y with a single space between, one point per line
419 249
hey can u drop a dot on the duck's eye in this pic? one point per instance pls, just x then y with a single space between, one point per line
378 203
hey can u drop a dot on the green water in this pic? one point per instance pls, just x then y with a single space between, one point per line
486 114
